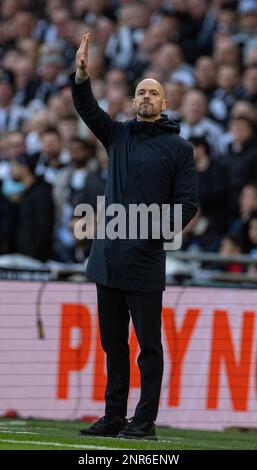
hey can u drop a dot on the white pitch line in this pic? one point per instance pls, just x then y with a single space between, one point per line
14 423
5 431
170 441
59 444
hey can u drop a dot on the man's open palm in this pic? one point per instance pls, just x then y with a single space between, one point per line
82 56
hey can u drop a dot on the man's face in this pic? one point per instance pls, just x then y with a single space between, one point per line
18 171
6 93
194 107
247 201
79 153
51 144
227 77
149 100
250 80
248 21
205 72
15 145
174 93
241 131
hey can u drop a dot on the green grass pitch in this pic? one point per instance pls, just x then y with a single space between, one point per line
59 435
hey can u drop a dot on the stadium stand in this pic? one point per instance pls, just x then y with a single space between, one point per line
205 51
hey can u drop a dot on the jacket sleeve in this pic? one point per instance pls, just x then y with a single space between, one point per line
98 121
186 187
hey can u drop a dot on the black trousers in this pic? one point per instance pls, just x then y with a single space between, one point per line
114 309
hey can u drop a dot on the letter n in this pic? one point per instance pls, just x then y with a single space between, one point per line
222 352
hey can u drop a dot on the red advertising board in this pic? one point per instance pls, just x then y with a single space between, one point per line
52 364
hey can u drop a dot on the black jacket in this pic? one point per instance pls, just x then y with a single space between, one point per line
148 163
36 221
95 186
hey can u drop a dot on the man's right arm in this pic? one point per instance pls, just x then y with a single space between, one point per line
98 121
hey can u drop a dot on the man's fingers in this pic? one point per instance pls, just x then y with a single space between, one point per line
86 41
82 53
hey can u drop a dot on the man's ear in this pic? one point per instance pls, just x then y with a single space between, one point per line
164 105
133 103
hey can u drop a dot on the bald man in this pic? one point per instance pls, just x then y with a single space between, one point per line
147 163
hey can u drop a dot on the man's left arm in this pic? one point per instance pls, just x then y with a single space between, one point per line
186 187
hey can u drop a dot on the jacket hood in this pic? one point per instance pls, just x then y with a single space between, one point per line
164 124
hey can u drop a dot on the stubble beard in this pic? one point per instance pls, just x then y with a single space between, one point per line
146 111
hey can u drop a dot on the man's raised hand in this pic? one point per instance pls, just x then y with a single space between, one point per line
82 58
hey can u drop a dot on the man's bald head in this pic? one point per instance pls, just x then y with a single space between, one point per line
149 100
152 84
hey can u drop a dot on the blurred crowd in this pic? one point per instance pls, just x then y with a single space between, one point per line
204 52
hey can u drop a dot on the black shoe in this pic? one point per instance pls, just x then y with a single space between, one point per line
138 429
106 427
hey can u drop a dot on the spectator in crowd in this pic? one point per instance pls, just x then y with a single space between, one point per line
226 52
169 19
35 128
240 161
250 56
241 108
174 95
227 93
196 123
250 84
204 51
212 181
247 201
68 187
96 179
169 58
198 235
249 236
68 127
56 107
26 83
247 11
202 25
231 245
29 48
95 186
122 43
115 77
51 74
24 24
12 116
226 20
14 146
205 73
53 157
36 211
